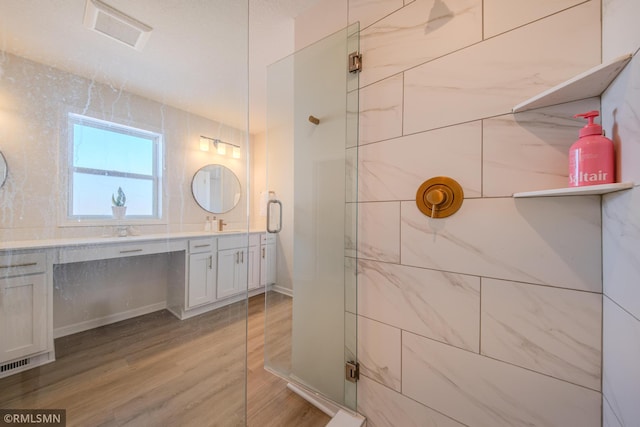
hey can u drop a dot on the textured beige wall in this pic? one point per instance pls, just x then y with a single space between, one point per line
34 101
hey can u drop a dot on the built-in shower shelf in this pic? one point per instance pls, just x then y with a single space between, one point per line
577 191
589 84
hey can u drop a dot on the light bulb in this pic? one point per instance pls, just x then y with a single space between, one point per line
204 144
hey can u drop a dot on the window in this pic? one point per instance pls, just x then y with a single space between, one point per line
104 156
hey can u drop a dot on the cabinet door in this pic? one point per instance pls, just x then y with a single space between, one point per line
254 267
242 273
23 316
268 264
228 262
201 288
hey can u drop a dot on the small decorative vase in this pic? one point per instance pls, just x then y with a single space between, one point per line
119 211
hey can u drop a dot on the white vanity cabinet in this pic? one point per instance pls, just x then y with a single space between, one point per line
24 307
238 264
201 286
205 272
232 265
267 259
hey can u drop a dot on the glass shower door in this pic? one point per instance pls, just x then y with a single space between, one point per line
117 321
312 104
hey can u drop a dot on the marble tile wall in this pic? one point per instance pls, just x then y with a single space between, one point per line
491 317
621 376
436 304
528 325
489 78
620 224
481 391
505 15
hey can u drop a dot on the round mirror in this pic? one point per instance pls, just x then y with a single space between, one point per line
216 188
3 170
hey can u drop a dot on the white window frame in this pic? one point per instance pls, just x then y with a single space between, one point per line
156 177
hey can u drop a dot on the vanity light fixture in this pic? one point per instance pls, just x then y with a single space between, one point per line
204 143
220 146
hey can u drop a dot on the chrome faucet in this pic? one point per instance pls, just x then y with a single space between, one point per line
221 224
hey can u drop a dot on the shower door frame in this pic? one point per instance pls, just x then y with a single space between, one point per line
300 121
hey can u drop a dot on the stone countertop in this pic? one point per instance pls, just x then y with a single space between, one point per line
88 241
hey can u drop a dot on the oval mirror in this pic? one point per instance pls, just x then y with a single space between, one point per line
3 170
216 188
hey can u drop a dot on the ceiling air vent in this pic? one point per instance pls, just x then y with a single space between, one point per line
115 24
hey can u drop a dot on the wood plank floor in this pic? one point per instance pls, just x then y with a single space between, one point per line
156 370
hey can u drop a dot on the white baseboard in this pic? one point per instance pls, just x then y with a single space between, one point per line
192 312
33 361
106 320
285 291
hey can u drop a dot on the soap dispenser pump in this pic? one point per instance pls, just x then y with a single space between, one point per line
591 158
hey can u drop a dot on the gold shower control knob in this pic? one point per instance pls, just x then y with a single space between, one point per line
436 197
439 197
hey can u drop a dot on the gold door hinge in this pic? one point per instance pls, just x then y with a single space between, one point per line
355 62
352 371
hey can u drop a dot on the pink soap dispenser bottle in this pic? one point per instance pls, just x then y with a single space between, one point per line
591 158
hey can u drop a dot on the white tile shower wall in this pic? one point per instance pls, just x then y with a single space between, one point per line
621 249
620 112
422 277
368 11
550 241
620 33
436 304
385 407
621 236
394 169
417 33
381 111
609 418
491 77
379 231
379 352
479 391
528 325
621 375
504 15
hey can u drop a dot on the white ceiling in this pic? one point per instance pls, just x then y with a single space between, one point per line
195 60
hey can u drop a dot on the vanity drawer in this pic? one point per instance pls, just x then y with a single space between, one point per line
267 238
22 264
202 245
112 251
232 242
